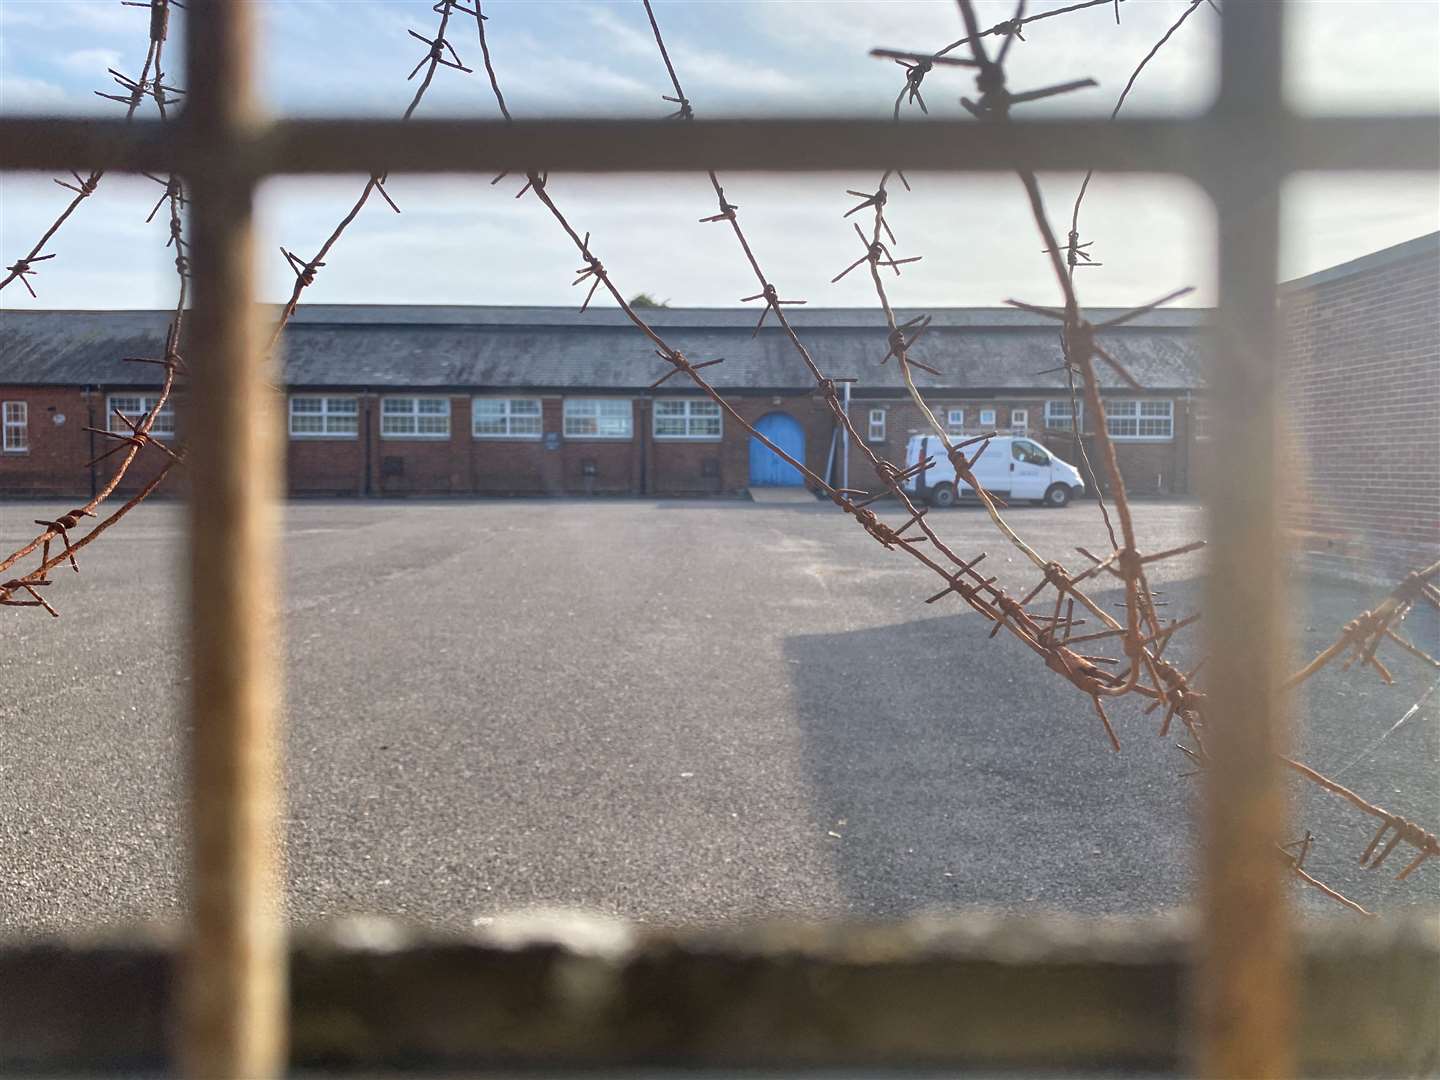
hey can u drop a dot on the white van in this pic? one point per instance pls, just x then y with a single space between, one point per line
1012 467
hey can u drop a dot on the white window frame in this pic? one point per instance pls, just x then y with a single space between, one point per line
578 409
164 426
325 415
16 416
1059 418
509 418
1200 419
875 426
1121 413
694 412
987 425
954 421
414 414
1019 421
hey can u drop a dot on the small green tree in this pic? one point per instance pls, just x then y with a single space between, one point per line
645 300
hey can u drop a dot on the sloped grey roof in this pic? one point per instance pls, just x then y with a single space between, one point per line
556 348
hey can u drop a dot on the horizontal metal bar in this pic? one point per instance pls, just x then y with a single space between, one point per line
548 991
1200 147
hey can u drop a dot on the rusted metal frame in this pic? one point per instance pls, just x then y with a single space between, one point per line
233 1005
1197 147
1245 990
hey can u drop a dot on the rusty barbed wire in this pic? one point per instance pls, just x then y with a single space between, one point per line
22 269
440 53
1142 637
135 435
1079 350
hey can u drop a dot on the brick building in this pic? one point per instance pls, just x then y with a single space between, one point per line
1362 364
488 401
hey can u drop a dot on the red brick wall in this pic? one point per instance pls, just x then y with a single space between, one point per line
1362 366
54 463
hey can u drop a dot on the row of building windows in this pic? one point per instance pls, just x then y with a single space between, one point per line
1125 418
502 418
320 417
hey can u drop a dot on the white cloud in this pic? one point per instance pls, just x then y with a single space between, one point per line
92 63
695 66
21 94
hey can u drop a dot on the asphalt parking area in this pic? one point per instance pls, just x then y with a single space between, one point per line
671 711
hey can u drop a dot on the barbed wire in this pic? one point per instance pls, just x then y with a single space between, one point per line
1169 686
135 433
136 90
1050 632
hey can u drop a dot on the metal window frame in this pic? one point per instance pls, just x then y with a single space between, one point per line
415 414
870 416
508 435
1239 152
690 404
22 425
147 400
324 415
596 437
1139 415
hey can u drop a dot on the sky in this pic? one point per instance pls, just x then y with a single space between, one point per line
464 241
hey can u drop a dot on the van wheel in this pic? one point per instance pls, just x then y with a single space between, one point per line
942 495
1058 495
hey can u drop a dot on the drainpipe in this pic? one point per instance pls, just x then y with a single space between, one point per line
845 457
90 423
369 405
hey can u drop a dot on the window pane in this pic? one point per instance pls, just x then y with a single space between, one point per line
305 405
525 425
669 425
307 425
397 425
342 425
343 405
525 407
434 425
669 408
705 426
434 406
396 406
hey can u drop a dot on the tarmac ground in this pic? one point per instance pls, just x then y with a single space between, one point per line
674 711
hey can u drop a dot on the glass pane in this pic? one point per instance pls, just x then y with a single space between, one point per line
434 406
525 425
305 405
525 407
342 425
669 425
396 406
343 405
306 425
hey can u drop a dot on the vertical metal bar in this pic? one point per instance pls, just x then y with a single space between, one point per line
1246 987
233 991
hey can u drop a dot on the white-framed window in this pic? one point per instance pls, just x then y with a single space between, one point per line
415 418
316 417
506 418
876 429
599 418
987 419
1019 421
135 406
1200 419
1058 415
954 421
1140 419
687 418
16 426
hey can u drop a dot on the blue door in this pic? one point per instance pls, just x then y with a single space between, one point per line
767 468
